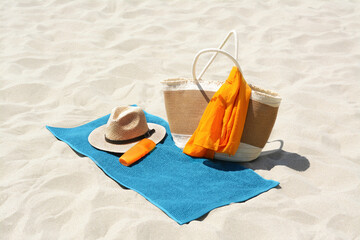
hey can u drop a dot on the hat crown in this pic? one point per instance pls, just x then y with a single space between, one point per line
126 123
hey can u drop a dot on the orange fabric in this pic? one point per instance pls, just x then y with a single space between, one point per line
138 151
223 121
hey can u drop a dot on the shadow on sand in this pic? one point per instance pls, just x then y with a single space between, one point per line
266 161
269 159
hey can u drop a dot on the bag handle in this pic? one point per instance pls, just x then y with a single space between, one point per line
216 50
232 32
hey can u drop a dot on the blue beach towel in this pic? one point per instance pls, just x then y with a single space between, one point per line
185 188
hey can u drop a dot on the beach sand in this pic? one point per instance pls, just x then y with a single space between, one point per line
66 63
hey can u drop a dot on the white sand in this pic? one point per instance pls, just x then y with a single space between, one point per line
67 63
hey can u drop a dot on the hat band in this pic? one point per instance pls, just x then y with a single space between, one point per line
131 140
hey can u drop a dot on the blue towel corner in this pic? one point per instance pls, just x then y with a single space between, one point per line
185 188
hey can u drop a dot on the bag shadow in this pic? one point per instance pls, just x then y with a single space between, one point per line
269 159
266 161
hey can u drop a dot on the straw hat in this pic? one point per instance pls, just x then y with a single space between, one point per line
126 127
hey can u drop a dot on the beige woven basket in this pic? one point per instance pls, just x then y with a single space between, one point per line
186 100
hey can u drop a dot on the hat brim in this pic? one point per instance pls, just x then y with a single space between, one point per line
97 139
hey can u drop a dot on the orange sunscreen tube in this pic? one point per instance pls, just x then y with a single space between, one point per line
138 151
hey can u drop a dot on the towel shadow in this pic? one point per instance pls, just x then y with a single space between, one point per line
77 153
200 219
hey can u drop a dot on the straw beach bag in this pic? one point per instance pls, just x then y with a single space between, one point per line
186 100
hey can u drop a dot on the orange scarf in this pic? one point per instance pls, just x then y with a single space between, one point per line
223 121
